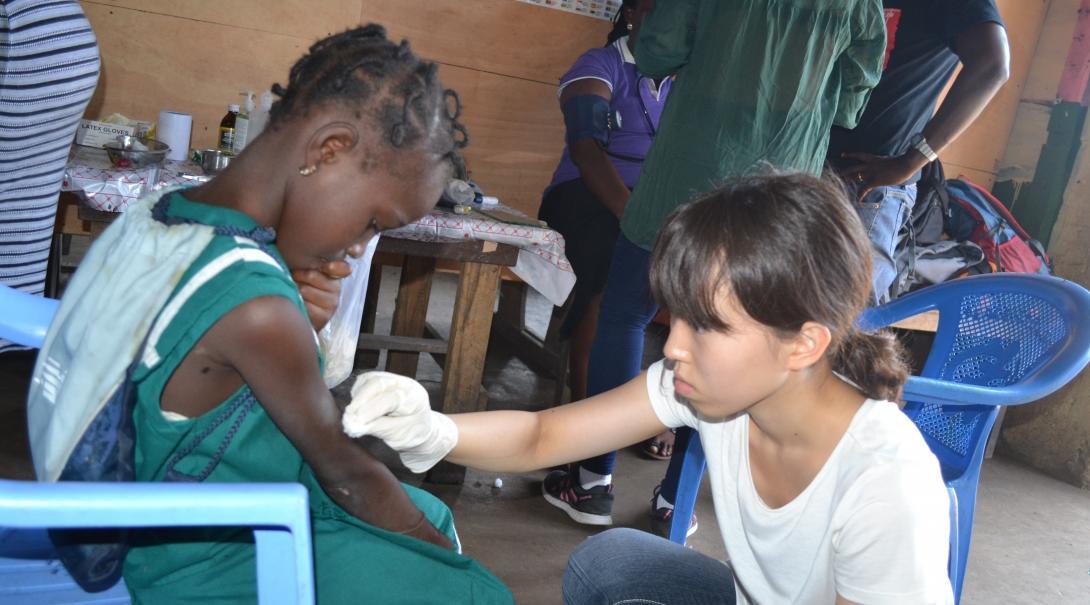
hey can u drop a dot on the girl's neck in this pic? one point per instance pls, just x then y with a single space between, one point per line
248 185
812 408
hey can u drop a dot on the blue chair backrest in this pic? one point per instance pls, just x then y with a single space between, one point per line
994 331
24 318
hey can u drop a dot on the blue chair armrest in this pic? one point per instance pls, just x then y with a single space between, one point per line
278 512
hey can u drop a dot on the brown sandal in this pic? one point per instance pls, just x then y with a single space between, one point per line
658 449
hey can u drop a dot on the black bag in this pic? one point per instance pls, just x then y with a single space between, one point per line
932 206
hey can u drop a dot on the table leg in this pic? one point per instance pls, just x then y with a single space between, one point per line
368 358
468 343
411 311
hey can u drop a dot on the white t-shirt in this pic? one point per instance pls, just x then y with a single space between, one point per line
873 526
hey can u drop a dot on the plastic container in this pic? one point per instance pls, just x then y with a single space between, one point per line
227 129
242 123
259 117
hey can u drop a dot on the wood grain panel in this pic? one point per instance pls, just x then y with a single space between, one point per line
305 19
152 62
981 177
497 36
516 134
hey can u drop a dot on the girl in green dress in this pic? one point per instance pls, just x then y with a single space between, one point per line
363 138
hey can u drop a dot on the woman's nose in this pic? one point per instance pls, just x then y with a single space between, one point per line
677 343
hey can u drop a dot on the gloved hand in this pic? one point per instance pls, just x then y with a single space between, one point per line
395 408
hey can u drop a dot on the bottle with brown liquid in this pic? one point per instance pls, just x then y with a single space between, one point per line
227 129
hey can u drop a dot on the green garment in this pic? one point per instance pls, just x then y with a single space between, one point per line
354 562
758 81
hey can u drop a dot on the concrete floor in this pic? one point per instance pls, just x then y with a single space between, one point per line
1031 539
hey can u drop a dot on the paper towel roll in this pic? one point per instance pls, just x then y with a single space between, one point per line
174 129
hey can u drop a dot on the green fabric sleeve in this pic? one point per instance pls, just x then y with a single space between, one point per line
861 63
666 37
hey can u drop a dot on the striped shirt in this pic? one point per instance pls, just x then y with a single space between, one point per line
49 66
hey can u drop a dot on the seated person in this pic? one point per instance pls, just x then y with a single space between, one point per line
824 490
229 389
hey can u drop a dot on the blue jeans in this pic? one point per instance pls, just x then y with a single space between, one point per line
626 310
885 211
636 568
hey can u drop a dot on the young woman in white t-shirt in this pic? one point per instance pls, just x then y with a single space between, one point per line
824 490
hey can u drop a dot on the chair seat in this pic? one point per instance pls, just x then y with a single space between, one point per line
31 575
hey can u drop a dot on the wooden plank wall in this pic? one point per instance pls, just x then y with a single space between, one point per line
503 57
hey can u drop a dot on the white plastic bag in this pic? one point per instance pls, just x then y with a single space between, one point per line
339 337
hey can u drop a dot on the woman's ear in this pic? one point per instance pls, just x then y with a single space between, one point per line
808 346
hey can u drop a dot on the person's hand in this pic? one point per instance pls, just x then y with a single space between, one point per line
321 290
396 409
870 171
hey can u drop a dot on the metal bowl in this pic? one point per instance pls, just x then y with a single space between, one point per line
132 152
213 160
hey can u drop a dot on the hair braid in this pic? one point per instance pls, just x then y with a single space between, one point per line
361 67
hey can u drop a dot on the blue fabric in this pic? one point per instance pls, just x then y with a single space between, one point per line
884 212
668 491
586 117
627 308
630 566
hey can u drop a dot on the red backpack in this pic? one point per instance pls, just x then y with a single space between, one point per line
975 215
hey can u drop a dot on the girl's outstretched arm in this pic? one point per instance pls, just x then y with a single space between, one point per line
522 441
396 409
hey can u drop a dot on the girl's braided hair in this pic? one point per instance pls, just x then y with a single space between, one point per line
362 68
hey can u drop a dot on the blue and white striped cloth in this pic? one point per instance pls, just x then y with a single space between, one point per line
49 66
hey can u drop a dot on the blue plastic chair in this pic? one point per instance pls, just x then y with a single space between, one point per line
279 513
1002 339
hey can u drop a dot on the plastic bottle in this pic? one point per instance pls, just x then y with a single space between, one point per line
242 123
260 115
227 128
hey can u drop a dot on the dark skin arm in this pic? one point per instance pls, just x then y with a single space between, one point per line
268 344
589 157
985 58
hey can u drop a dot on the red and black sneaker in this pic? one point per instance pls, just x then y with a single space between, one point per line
592 506
662 517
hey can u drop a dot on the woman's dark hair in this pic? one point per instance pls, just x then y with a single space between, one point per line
361 68
620 24
790 249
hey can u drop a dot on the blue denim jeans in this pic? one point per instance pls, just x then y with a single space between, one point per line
636 568
626 310
884 211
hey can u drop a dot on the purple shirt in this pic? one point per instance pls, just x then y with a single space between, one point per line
633 96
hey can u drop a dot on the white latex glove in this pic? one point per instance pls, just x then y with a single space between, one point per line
396 409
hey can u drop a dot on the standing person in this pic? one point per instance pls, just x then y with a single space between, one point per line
824 490
900 131
598 169
228 387
758 81
48 71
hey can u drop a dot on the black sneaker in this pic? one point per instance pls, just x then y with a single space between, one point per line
661 518
592 506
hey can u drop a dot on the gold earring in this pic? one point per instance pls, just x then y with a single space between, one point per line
308 170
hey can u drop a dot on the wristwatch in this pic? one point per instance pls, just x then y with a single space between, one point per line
919 143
